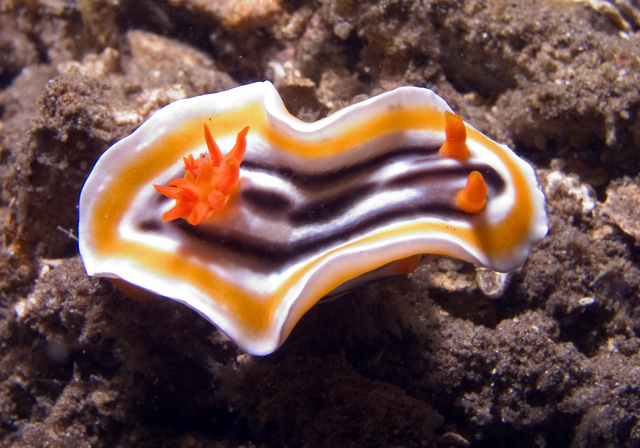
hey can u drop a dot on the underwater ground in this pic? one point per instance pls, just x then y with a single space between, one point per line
552 360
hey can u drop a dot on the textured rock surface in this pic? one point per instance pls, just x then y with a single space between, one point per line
427 360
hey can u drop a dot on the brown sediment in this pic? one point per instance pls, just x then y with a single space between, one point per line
409 361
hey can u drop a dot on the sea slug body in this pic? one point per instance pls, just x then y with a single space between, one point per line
293 211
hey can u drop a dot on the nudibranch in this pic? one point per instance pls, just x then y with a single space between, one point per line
231 205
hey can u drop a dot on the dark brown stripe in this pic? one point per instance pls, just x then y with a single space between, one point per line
490 175
328 208
267 201
325 180
269 253
346 188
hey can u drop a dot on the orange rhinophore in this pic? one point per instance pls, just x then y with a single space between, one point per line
473 197
455 145
208 181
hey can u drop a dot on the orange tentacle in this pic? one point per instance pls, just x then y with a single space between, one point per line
455 145
473 197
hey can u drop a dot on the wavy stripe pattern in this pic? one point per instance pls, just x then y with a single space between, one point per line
318 205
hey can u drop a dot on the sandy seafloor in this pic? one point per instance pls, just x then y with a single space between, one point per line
424 360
